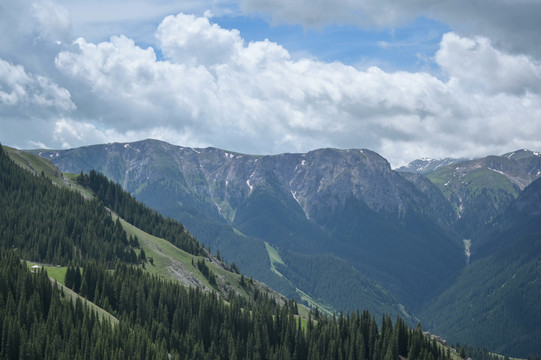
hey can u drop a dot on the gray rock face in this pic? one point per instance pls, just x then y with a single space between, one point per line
319 181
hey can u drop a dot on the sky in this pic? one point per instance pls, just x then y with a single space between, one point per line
407 79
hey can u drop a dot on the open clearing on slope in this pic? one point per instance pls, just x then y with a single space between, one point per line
275 258
171 262
57 274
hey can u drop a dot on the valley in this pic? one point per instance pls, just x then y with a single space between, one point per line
270 180
336 229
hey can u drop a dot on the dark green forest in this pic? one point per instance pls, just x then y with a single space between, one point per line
500 289
332 278
511 274
37 321
50 224
158 318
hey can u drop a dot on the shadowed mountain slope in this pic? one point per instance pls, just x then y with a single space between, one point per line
348 203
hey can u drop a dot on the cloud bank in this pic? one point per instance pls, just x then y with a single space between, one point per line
216 88
203 85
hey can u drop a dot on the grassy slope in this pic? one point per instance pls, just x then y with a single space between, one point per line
166 256
35 164
471 183
57 274
274 258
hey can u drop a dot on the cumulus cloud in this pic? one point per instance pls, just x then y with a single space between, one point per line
29 104
21 92
515 26
194 41
133 88
253 97
480 66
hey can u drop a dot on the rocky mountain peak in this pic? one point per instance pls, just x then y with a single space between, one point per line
224 179
427 165
521 154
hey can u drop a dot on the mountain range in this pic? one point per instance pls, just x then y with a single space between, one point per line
339 229
112 295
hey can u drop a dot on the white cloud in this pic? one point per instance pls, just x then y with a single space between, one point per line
480 66
194 41
21 92
252 97
29 103
136 90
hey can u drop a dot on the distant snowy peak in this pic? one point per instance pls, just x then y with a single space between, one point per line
521 154
427 165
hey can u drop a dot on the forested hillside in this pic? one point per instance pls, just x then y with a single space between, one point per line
114 197
497 296
158 318
38 322
499 293
59 212
49 224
